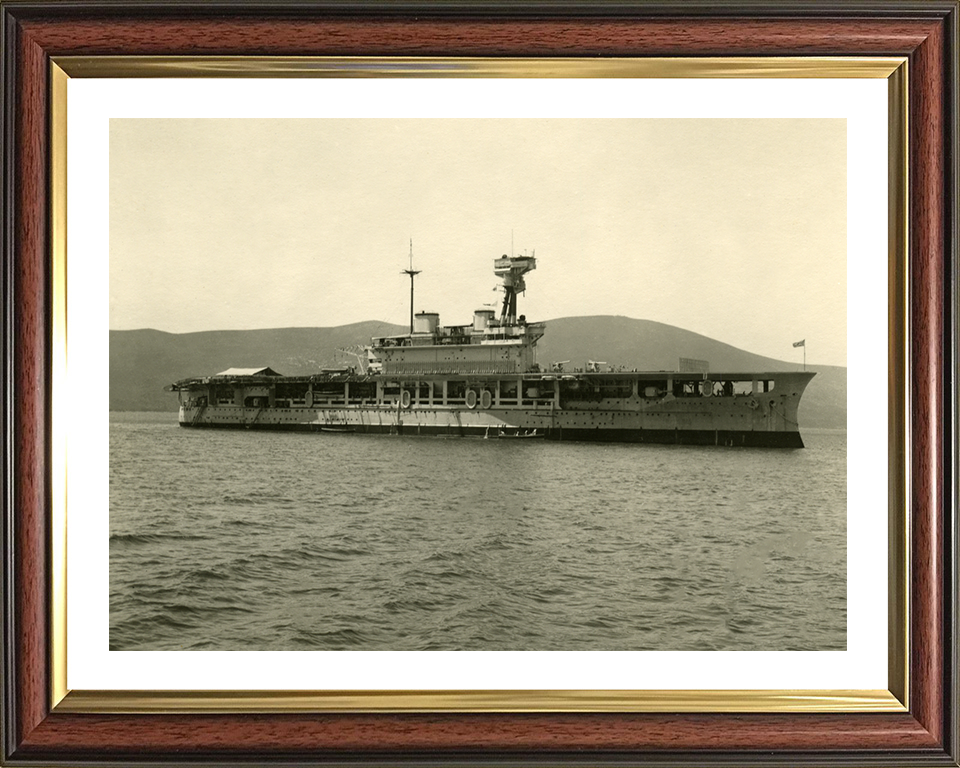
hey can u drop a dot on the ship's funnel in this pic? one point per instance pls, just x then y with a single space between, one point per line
426 322
482 319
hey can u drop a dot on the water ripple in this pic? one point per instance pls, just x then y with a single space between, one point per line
240 541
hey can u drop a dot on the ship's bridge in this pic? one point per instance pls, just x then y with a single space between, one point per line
495 349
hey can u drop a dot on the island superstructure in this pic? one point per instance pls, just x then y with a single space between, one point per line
482 379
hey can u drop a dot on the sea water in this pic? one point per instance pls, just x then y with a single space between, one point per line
246 540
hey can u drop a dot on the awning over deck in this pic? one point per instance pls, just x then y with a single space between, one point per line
249 372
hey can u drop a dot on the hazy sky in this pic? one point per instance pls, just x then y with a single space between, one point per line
735 229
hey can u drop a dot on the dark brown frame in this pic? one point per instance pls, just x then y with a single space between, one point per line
925 32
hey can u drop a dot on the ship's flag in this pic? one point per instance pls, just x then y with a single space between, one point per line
801 343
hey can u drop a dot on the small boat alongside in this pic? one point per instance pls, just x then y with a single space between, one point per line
519 434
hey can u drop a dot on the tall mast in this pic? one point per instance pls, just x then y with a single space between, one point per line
412 272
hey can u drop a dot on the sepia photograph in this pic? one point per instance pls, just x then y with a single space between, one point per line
478 384
413 383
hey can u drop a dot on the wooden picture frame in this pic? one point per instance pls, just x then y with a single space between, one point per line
37 732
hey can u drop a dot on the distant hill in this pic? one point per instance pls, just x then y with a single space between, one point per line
143 362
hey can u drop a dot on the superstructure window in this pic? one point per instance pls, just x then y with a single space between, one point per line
656 388
362 390
582 391
546 390
686 389
294 393
616 388
456 391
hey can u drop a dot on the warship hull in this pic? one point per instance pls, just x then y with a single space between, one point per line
482 380
653 408
738 438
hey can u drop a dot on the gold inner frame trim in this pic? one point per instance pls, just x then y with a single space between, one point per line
442 67
59 389
729 701
898 383
893 69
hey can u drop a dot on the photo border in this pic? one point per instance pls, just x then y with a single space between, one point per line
894 70
36 732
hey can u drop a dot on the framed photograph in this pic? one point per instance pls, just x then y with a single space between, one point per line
288 482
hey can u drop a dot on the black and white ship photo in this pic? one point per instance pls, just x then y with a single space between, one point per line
478 384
